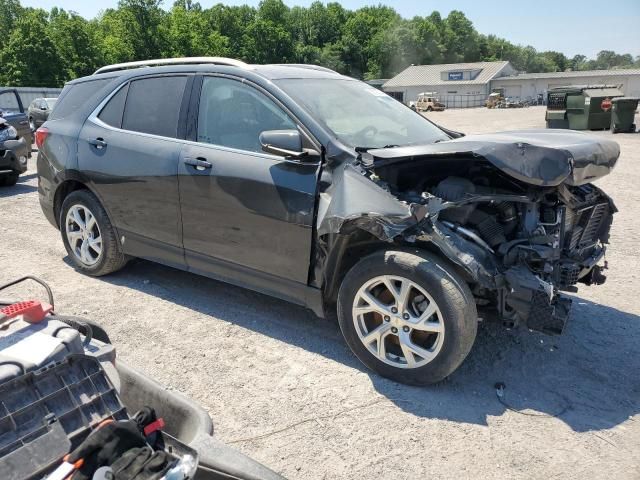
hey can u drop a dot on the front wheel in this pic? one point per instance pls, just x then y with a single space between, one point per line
88 236
407 316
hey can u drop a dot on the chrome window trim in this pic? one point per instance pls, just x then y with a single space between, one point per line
93 118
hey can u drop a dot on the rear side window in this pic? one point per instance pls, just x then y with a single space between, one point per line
153 105
74 95
112 112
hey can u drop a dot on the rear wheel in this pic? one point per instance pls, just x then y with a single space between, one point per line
407 316
88 236
8 179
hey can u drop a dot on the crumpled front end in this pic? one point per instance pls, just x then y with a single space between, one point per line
519 242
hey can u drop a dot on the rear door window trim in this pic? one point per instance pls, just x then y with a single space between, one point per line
93 117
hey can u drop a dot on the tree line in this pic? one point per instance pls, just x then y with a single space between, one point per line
48 48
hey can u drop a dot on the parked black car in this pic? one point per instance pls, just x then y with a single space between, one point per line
15 138
298 182
39 111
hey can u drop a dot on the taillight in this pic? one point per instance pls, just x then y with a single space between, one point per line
41 135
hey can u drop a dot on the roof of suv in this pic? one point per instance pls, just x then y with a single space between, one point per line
270 72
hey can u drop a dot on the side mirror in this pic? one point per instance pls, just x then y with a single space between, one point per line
286 143
44 108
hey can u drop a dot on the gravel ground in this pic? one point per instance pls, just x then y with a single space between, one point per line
282 386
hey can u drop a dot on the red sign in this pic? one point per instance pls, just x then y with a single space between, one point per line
606 104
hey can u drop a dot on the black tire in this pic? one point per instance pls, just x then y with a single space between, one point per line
429 109
112 258
446 287
9 179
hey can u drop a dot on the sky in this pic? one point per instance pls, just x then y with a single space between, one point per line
568 26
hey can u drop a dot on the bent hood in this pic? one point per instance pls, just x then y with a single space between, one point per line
545 158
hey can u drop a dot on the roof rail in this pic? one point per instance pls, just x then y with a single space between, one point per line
307 66
173 61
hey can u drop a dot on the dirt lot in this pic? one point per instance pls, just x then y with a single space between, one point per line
282 386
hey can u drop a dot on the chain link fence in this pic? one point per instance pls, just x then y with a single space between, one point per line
463 101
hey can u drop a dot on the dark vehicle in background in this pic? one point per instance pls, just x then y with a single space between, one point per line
39 110
300 183
12 110
15 138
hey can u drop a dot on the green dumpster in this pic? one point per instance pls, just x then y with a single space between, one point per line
623 113
556 115
581 107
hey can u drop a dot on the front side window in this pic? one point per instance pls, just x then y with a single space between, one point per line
153 105
233 114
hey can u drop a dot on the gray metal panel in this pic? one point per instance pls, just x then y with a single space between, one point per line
576 73
29 94
432 74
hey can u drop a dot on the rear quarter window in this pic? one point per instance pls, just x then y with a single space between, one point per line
111 114
74 95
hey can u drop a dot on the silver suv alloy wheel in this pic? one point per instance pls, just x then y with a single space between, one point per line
398 321
83 235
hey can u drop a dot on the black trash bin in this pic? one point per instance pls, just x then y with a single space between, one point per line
623 113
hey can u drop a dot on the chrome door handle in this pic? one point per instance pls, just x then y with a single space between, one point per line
199 163
99 143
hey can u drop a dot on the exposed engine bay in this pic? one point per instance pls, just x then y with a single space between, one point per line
523 221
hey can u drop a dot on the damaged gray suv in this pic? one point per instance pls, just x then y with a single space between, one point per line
300 183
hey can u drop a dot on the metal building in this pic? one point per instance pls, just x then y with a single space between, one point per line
462 85
529 85
458 85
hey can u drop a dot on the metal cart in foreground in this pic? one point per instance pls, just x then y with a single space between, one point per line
60 384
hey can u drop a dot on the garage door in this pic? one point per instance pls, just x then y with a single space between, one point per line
513 91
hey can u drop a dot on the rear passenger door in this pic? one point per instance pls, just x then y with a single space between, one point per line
129 150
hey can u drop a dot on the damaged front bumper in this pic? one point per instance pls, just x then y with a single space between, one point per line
523 298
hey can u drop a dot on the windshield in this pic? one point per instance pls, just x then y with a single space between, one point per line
360 115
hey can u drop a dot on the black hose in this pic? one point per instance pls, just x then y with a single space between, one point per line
77 324
35 279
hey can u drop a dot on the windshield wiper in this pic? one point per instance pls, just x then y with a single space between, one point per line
366 149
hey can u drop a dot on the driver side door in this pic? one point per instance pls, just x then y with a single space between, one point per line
247 216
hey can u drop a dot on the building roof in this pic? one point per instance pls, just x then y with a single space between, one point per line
417 75
575 73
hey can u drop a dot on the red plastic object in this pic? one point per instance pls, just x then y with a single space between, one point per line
33 311
153 427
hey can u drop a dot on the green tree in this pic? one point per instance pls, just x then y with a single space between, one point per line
267 39
74 42
10 11
460 39
29 57
189 33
